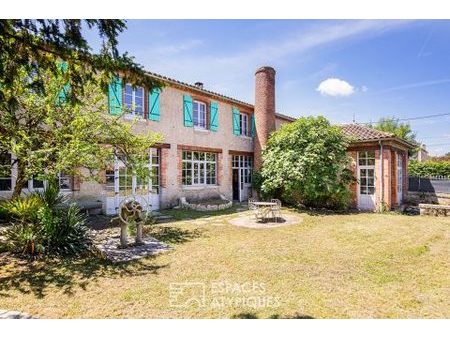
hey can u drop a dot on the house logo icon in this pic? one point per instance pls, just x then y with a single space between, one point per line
187 294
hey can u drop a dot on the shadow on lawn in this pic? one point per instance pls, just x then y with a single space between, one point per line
37 276
251 315
184 214
173 235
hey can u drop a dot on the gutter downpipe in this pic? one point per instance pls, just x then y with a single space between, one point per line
381 176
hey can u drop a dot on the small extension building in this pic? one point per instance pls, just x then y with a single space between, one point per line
213 142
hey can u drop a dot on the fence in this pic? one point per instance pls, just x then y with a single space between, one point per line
438 184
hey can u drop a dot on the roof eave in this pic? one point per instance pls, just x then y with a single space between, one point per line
395 139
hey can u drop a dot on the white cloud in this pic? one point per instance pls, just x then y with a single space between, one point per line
335 87
364 89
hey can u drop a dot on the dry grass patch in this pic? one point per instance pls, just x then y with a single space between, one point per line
329 266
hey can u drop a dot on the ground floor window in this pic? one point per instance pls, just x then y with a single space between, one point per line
5 172
199 168
129 183
65 181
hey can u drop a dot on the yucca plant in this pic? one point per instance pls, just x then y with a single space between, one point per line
45 223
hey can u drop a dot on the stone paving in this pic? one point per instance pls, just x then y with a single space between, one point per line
5 314
109 249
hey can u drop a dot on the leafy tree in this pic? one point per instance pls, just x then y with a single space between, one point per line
394 126
36 46
306 162
48 134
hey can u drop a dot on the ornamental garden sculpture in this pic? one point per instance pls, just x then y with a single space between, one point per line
131 213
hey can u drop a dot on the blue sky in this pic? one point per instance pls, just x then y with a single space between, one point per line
386 68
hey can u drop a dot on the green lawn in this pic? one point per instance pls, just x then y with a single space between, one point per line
328 266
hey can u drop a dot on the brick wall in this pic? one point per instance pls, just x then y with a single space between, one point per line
264 110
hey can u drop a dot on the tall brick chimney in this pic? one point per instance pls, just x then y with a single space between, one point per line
264 110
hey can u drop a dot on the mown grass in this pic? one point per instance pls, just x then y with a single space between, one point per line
328 266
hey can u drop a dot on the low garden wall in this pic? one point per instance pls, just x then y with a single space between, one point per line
220 203
434 209
416 198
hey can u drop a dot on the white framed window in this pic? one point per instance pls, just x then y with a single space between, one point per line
5 172
126 179
245 163
36 184
366 158
199 114
243 124
65 182
199 168
366 161
133 100
399 178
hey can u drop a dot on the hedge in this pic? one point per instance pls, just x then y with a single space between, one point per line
428 168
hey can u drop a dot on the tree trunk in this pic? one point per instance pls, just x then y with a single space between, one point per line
21 180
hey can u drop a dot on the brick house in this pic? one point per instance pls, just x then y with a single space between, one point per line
213 142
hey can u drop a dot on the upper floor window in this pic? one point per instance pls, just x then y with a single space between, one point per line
199 114
5 172
133 100
243 124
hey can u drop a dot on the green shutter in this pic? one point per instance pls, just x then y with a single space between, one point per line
214 116
62 95
187 111
115 96
252 125
236 124
153 104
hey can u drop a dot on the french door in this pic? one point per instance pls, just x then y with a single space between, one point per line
399 179
366 180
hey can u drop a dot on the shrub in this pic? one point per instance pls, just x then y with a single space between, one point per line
3 212
306 162
44 223
429 168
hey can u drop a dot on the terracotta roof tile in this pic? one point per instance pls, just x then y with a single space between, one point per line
184 84
360 132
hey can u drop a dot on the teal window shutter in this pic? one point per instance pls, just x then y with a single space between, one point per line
236 124
214 116
187 111
115 96
252 125
153 104
62 95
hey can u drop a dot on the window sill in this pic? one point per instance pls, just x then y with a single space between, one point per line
200 187
245 137
201 130
133 117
